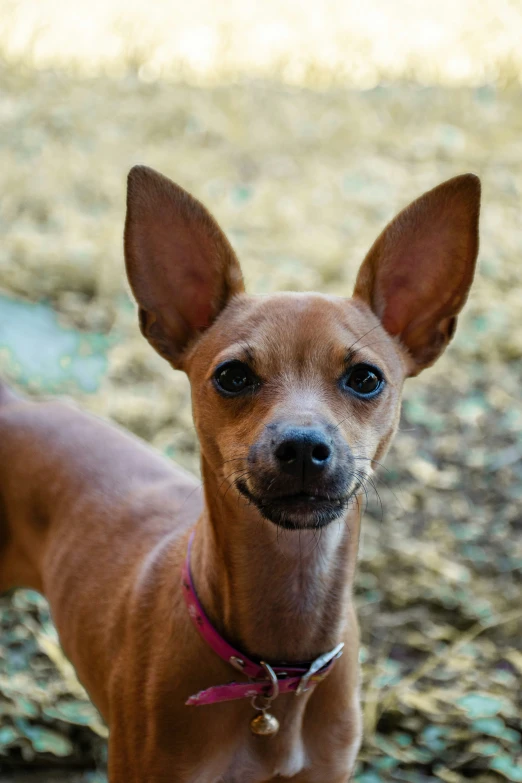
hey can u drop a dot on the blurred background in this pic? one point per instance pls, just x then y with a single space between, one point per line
303 127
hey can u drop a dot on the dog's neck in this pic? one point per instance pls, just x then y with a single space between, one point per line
273 593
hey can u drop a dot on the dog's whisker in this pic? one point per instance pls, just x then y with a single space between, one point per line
234 482
382 480
234 459
352 346
372 461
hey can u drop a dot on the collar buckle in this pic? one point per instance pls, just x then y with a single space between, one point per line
315 669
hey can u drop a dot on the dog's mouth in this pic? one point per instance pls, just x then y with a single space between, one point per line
300 510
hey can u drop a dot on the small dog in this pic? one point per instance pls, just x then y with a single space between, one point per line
217 635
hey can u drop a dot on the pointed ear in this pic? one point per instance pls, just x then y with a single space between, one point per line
417 275
181 267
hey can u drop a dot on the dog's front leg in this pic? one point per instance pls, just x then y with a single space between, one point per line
128 765
144 752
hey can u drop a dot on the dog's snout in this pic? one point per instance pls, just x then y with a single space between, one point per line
300 472
302 452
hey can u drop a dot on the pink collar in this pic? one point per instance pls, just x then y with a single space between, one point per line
272 679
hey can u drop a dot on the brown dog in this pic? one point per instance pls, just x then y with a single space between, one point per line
295 398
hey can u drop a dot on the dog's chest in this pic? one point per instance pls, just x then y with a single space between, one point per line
259 762
250 766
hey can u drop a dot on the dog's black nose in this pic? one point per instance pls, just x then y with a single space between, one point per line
303 452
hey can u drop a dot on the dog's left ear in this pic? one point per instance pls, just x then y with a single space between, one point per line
417 275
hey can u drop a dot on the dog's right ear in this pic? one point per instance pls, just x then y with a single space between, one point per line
181 267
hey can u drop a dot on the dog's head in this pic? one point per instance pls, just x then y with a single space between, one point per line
296 396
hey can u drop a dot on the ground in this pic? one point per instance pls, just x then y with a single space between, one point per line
302 181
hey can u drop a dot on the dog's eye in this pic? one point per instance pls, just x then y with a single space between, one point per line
234 377
364 380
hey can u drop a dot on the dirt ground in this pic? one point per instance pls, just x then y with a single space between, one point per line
302 181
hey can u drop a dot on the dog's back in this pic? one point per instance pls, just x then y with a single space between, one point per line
53 455
109 499
6 397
